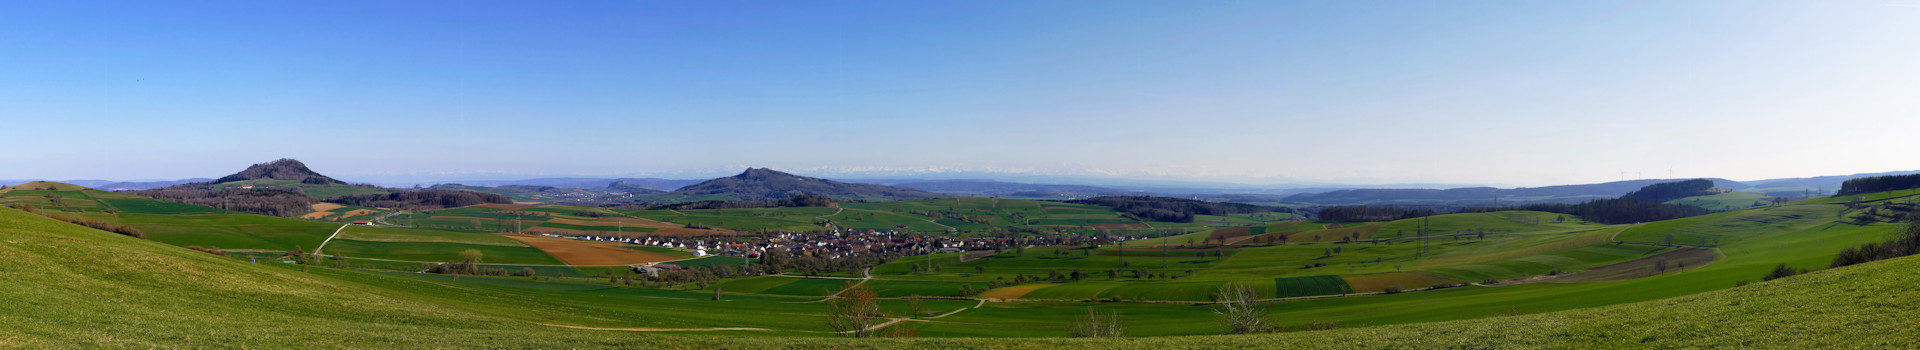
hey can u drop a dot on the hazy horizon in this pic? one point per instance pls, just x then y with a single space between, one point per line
1496 93
408 179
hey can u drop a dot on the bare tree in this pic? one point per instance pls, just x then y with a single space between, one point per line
1237 309
1095 326
470 261
854 312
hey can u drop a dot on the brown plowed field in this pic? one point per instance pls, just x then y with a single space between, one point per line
578 252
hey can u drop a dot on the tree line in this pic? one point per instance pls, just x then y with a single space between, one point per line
263 201
422 199
1879 184
1662 192
1369 213
1612 211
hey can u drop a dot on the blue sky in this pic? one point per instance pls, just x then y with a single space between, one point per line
1518 93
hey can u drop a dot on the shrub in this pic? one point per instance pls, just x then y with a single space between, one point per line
1782 271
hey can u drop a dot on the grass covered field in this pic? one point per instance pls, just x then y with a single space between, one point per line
711 261
229 294
1725 201
172 297
613 229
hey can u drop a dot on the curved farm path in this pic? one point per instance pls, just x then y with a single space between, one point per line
836 211
863 280
867 276
336 233
898 320
659 329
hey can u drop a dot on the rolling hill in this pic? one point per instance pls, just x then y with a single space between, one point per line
585 183
1481 196
283 169
255 181
110 185
1012 189
767 184
166 296
1825 184
638 187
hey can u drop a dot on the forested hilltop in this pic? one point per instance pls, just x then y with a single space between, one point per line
1879 184
760 184
288 188
1174 209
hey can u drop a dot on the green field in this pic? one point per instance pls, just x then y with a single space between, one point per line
1725 201
710 261
172 297
427 245
617 229
1449 249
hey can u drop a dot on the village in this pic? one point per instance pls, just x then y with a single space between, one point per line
840 243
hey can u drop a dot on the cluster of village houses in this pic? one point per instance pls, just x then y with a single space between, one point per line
838 242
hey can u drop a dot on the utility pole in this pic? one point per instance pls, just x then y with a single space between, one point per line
1165 250
1420 237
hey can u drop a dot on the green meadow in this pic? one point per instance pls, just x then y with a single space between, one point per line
1158 286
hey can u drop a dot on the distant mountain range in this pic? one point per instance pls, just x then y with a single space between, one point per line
1826 184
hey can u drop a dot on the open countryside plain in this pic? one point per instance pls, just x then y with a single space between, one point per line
1311 273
